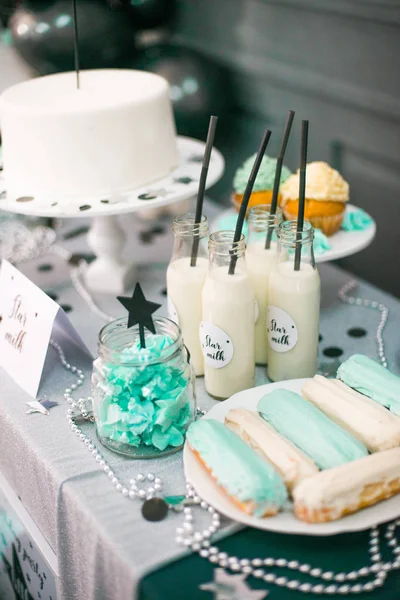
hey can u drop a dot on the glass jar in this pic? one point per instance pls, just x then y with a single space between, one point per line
259 262
185 280
294 304
227 329
143 398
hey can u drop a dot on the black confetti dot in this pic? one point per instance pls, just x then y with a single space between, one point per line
155 509
184 180
147 196
45 267
1 167
105 201
357 332
333 352
54 204
158 230
164 292
52 296
197 159
85 207
320 338
146 237
25 199
76 232
67 308
77 257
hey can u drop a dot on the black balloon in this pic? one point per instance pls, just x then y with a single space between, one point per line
147 14
7 7
198 86
43 33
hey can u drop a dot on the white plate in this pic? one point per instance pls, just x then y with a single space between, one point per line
344 243
181 184
284 522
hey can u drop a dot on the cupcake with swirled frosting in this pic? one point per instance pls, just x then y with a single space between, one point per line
263 185
325 199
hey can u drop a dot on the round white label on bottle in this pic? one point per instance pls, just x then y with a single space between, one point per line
282 330
172 312
256 311
216 345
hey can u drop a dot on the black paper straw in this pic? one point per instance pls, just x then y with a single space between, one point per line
279 163
302 194
202 186
246 197
76 44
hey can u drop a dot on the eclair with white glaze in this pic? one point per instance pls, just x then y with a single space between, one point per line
375 426
292 464
343 490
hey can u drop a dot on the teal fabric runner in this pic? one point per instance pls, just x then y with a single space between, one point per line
335 553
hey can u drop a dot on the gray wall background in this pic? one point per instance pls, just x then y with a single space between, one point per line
336 63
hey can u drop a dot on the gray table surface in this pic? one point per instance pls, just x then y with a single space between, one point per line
103 545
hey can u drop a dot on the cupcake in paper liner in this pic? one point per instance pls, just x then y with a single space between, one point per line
326 196
263 185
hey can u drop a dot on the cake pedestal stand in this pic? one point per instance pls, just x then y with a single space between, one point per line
109 273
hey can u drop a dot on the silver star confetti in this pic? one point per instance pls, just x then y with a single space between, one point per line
41 406
232 587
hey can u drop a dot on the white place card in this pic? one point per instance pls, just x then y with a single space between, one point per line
28 320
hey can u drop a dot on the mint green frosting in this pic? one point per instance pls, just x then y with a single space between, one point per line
372 379
236 467
146 404
321 243
328 444
265 178
356 220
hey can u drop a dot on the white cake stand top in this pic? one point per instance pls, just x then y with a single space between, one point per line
181 184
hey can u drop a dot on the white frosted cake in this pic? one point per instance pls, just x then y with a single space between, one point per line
113 134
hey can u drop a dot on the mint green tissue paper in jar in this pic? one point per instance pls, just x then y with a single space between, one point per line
143 398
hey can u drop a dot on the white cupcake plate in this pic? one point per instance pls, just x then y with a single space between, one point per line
285 521
344 243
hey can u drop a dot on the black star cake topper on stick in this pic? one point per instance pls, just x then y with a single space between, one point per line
140 311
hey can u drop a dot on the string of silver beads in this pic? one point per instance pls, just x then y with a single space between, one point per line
200 542
375 305
82 409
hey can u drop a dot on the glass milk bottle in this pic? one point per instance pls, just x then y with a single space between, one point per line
185 282
259 262
227 329
293 310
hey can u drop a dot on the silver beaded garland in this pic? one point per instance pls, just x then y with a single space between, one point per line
82 408
199 541
384 313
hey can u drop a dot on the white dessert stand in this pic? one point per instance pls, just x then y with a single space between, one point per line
109 273
285 521
344 243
